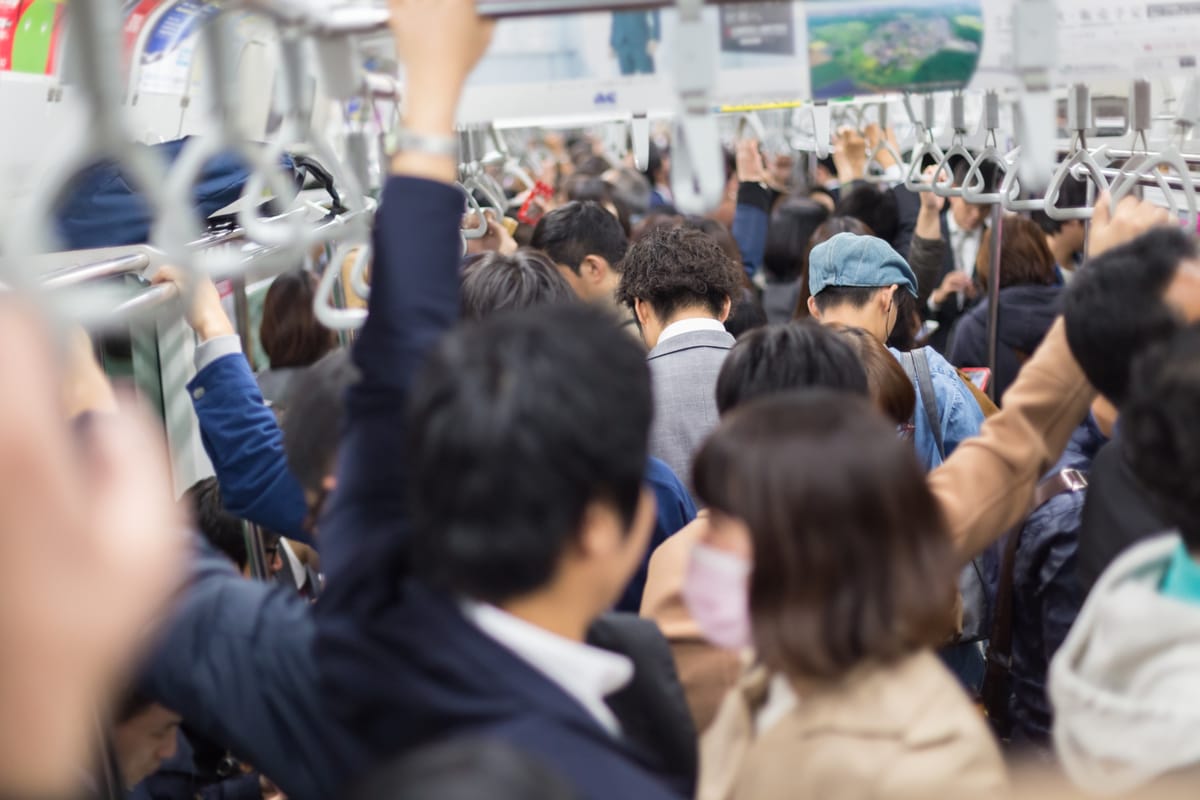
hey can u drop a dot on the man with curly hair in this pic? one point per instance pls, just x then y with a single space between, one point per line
680 285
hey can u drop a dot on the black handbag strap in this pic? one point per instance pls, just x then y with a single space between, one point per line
998 676
916 364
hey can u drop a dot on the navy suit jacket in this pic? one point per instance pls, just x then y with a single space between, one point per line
399 664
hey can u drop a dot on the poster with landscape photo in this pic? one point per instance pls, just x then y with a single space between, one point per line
860 48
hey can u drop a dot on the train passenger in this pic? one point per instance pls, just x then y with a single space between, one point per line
1030 300
785 256
769 360
1125 301
1066 238
681 286
1126 681
828 554
290 334
888 386
588 245
854 281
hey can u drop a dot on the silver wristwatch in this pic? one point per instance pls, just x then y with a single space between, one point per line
406 141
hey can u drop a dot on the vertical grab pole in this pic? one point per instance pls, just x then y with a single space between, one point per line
994 296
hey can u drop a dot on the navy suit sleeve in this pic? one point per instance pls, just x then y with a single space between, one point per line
414 301
751 220
244 443
236 661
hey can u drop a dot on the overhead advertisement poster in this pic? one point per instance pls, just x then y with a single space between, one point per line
608 63
1103 39
875 47
166 58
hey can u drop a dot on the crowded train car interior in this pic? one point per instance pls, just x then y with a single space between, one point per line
599 399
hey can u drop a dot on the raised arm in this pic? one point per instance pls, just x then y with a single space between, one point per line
414 298
239 432
987 485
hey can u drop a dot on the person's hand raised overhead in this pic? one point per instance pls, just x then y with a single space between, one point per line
751 168
205 315
90 542
1130 220
440 42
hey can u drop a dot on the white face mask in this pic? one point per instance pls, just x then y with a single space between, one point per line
716 592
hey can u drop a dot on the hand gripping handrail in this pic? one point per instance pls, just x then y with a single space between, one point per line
95 56
885 144
957 149
751 120
973 184
927 147
473 208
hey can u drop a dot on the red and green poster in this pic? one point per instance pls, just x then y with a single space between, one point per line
36 40
136 18
10 15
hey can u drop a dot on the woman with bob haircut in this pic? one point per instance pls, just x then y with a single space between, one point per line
828 555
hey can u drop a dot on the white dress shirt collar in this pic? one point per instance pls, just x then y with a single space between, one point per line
690 326
964 244
588 674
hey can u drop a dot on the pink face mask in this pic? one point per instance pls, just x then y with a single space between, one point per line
716 591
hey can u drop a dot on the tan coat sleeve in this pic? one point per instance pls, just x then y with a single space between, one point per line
986 486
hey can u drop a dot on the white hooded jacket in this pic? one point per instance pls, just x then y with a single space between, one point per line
1125 685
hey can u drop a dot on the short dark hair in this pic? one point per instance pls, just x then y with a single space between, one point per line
464 769
675 268
290 333
718 232
889 386
908 322
1115 307
824 232
850 546
853 296
221 529
504 446
590 189
875 207
493 282
788 238
1025 258
313 421
783 358
577 230
1073 194
746 315
1160 430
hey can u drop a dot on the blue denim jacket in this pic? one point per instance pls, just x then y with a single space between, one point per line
960 415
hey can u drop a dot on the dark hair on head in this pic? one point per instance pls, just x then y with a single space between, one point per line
908 322
853 296
824 232
132 703
960 168
1025 258
493 282
1072 195
851 552
655 219
1115 307
889 387
719 233
577 230
464 769
1160 430
747 314
504 451
222 530
784 358
593 165
589 189
313 421
677 268
788 236
655 161
875 207
290 334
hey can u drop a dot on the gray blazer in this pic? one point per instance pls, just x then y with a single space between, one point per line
684 372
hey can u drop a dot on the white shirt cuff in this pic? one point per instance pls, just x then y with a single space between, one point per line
215 348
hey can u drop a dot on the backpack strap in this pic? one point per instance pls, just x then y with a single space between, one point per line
916 365
998 676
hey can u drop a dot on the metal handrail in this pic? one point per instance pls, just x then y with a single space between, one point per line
97 270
